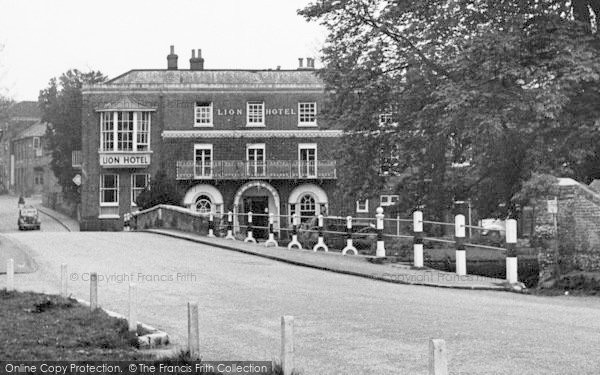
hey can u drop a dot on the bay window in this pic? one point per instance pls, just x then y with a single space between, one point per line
125 131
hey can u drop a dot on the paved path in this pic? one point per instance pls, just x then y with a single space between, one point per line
350 265
344 324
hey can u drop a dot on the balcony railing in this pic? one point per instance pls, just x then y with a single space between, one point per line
76 158
243 170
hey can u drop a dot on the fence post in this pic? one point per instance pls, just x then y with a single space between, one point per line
132 321
418 238
93 291
249 235
211 225
380 245
320 241
438 360
294 241
193 331
63 280
271 240
229 226
287 344
511 251
349 244
461 257
10 275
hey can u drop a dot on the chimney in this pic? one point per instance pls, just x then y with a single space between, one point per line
197 63
310 63
300 63
172 59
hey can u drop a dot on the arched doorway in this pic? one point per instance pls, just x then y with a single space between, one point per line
261 198
204 198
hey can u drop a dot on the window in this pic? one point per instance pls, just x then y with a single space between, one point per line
203 115
107 130
255 156
362 205
388 200
385 119
138 184
38 179
307 114
143 131
109 190
203 161
255 114
125 131
307 159
37 147
203 204
308 207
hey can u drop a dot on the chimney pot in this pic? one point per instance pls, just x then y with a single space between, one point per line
300 62
172 59
197 63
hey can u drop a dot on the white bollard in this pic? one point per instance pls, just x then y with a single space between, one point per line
10 275
349 244
418 239
250 234
271 241
511 252
93 291
132 321
438 359
211 225
320 241
287 345
63 280
193 331
230 235
461 256
380 252
294 242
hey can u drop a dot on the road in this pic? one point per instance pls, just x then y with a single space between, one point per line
343 324
9 212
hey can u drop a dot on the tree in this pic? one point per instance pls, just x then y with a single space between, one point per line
161 190
482 93
61 104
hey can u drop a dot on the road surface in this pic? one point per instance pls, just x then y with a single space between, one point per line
9 212
343 324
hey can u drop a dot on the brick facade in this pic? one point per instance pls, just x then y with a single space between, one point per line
170 97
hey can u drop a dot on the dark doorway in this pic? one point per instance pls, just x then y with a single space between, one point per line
260 209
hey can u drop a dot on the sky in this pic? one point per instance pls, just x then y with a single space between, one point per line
41 39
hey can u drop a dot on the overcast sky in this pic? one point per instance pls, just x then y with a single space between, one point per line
44 38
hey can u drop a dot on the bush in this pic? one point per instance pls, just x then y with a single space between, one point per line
542 234
161 190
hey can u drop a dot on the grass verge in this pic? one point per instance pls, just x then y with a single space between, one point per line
52 328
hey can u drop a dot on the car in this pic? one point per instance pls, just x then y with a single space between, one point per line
28 218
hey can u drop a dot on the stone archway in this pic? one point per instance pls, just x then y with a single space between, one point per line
259 185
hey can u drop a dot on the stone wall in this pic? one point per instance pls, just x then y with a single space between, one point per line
172 217
578 227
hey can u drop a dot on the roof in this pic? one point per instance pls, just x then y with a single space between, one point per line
221 77
36 130
25 109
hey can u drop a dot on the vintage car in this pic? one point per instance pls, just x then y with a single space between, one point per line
28 218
